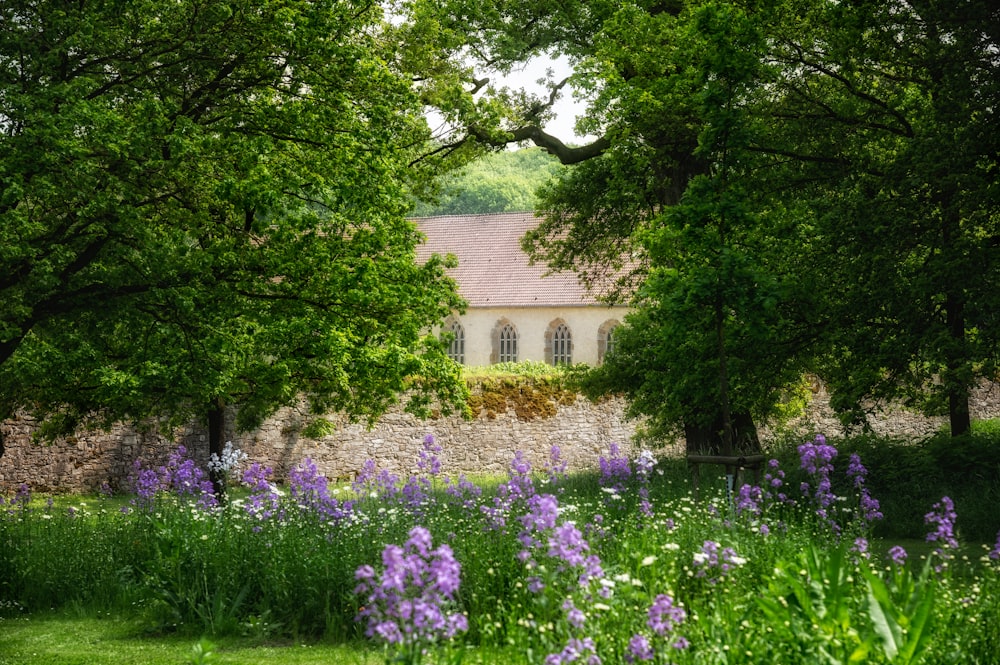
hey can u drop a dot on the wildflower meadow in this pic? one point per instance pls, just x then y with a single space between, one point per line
621 565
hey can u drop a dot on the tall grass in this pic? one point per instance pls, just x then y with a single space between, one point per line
619 565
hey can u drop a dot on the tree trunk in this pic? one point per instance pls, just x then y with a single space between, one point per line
711 440
216 434
955 380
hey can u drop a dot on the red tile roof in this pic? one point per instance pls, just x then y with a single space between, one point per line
492 269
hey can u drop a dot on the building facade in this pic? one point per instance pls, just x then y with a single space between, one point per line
516 310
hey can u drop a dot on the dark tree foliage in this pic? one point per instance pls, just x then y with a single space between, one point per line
205 204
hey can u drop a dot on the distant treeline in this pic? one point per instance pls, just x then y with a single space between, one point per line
499 182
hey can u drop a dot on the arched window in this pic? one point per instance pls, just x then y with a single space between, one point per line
504 342
456 350
606 335
558 343
508 344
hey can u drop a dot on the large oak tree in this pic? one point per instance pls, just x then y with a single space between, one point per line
203 203
807 184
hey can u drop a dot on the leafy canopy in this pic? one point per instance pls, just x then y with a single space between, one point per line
205 203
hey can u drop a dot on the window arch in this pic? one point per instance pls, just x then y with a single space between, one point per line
606 335
558 343
456 348
505 342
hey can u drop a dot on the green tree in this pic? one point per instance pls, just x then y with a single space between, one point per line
204 204
505 181
893 105
851 145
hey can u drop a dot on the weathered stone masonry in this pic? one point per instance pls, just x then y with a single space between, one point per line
583 430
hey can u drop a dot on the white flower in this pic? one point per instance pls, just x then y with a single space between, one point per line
700 557
649 560
671 547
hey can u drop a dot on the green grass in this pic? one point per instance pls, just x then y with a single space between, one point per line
100 586
69 638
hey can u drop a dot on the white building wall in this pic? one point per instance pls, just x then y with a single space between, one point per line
584 323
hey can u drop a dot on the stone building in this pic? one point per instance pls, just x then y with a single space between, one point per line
516 311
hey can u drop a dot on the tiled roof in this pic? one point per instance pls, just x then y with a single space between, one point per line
492 269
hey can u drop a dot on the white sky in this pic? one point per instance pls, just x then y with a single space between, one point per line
566 109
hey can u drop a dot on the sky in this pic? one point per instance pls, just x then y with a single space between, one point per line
566 108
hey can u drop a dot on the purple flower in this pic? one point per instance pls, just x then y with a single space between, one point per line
857 470
713 562
574 616
264 501
664 616
555 469
463 492
897 554
308 488
567 544
429 462
942 518
817 460
639 648
749 499
870 508
861 547
576 649
816 456
615 470
365 480
995 552
516 491
409 602
180 475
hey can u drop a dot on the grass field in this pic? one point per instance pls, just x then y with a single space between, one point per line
828 560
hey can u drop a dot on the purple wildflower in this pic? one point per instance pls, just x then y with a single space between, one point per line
555 468
664 615
870 508
644 465
364 482
576 649
567 544
942 517
639 648
817 460
409 602
615 470
897 554
713 562
857 470
516 491
264 500
429 462
995 552
574 616
22 496
186 479
749 500
463 492
308 488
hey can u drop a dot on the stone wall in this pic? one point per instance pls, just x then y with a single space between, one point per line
583 431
